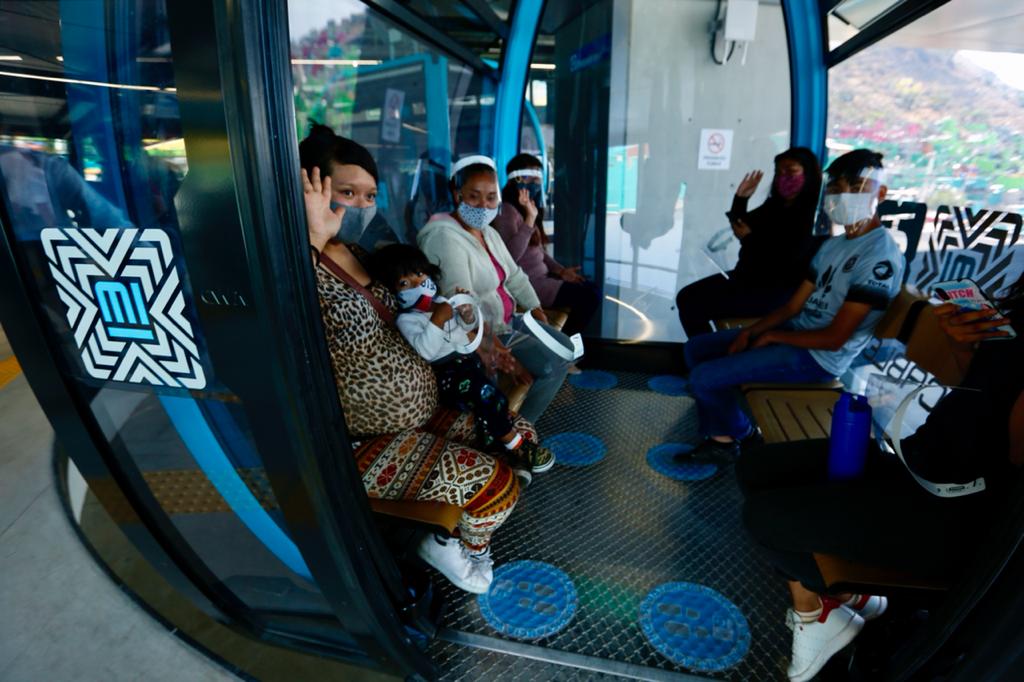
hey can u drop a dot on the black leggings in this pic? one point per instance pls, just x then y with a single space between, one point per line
717 297
883 519
463 385
582 300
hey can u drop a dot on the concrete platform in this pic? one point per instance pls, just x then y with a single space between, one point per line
61 617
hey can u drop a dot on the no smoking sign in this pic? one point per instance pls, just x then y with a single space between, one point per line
715 149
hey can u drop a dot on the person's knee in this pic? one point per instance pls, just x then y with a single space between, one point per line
704 377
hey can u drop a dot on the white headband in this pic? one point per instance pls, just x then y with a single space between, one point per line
526 173
471 161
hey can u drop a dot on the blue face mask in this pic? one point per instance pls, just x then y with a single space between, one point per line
354 222
533 188
477 217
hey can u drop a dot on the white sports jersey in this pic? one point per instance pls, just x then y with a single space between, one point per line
866 269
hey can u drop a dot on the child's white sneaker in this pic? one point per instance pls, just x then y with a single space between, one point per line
816 642
451 558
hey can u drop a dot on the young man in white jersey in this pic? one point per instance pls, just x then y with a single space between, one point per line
824 326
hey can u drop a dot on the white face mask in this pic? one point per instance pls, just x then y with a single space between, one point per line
477 217
418 296
850 209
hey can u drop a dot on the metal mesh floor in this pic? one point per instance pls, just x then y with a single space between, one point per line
619 529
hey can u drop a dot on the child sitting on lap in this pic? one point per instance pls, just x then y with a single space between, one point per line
442 336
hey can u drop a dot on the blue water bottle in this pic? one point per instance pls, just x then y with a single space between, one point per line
848 444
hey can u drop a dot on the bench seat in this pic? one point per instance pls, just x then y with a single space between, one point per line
784 414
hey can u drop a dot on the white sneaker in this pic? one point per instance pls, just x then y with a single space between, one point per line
451 558
868 606
814 643
483 564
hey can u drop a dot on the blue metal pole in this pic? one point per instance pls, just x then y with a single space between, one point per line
439 132
515 67
808 75
539 132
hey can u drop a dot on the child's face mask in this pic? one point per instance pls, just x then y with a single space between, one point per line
418 297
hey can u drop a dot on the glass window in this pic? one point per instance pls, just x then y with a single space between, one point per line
948 118
349 66
658 220
943 100
474 25
94 169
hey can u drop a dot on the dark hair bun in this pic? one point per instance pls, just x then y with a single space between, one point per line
323 148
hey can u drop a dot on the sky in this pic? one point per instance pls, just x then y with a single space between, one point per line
305 15
1007 66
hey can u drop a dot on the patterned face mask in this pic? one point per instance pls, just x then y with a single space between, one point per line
418 297
477 217
788 186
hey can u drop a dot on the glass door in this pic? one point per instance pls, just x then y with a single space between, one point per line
148 272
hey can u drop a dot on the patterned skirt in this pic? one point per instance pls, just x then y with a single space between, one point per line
439 463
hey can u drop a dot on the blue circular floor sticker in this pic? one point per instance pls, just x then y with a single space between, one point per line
669 384
660 458
594 380
694 626
576 449
529 600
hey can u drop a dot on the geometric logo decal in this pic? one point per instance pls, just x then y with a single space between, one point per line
125 305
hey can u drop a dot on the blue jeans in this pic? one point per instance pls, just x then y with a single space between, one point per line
715 376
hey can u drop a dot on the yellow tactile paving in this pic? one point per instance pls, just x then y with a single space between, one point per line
9 368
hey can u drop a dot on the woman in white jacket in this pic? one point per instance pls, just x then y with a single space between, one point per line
473 256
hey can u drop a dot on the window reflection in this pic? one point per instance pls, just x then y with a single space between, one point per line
639 214
410 105
91 143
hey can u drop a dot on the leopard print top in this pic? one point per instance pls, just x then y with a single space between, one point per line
383 384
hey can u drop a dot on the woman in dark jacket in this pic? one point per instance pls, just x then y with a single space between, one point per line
776 245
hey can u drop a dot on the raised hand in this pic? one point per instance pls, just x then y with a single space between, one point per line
321 222
740 229
748 185
527 203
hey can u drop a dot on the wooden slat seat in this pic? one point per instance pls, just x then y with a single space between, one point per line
843 575
834 385
516 393
434 513
557 317
786 415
